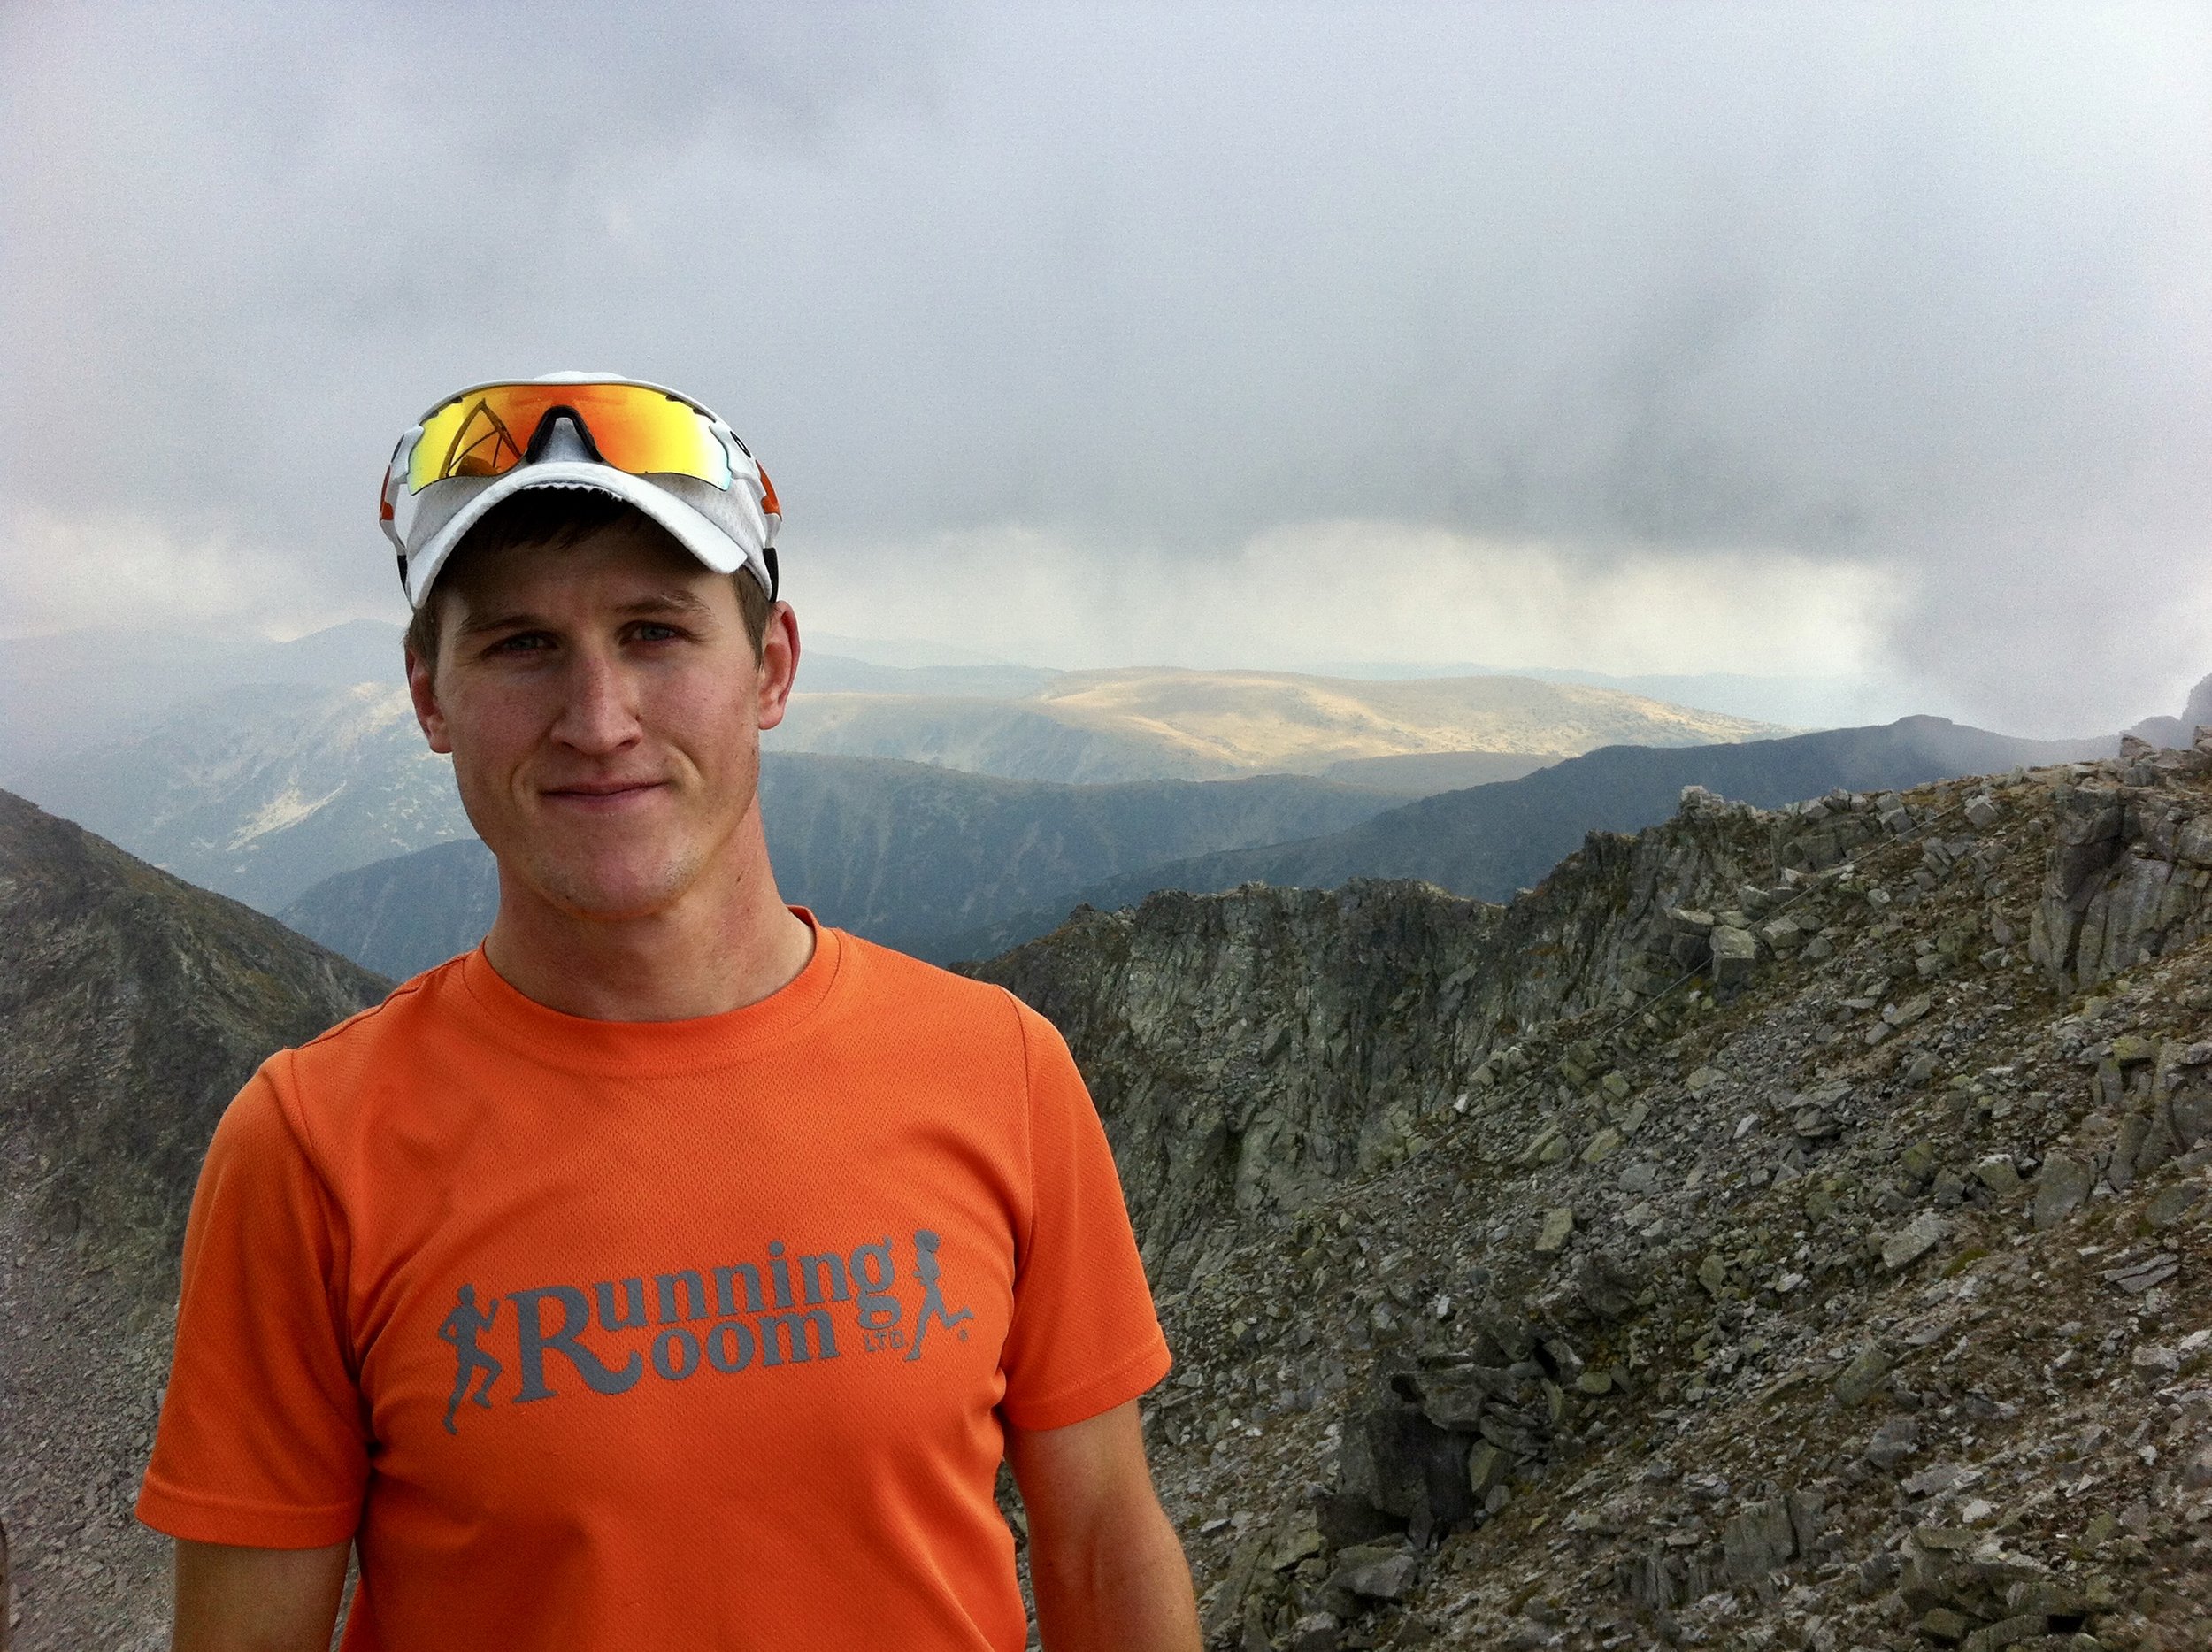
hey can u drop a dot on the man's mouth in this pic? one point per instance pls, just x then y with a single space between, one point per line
601 791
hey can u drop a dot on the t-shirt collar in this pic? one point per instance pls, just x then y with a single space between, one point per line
570 1041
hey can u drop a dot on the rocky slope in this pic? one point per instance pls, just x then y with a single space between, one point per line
1779 1229
132 1006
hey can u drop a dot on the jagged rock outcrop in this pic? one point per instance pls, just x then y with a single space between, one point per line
2130 877
1806 1266
1248 1049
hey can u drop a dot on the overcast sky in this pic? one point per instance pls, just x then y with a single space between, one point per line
1658 337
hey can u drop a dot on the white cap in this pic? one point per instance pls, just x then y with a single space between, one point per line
724 528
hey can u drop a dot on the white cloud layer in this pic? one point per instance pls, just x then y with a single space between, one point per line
1345 590
125 570
1890 313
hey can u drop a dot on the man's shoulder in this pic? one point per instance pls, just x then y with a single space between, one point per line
884 976
934 1003
964 1024
373 1035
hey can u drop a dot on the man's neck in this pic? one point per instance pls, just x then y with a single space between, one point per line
700 957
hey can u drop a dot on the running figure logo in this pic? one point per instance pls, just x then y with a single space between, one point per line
933 1298
461 1328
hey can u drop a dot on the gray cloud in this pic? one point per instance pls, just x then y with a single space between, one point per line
1915 291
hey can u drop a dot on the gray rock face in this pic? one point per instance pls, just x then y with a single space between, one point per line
1757 1540
1878 1268
1401 1462
2198 712
1251 1049
2128 879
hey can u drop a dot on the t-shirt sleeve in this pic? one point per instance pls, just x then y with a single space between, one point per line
261 1441
1084 1337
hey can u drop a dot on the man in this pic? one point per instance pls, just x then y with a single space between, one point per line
672 1271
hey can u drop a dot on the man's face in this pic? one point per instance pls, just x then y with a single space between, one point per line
604 709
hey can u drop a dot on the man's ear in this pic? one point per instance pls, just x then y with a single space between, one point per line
427 714
779 664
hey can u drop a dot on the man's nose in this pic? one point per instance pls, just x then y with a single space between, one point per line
598 715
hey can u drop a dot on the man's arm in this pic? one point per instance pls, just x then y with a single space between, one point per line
257 1600
1106 1566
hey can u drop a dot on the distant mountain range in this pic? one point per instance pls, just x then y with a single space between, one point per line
1489 841
263 789
1144 723
2180 731
70 692
897 851
85 689
952 867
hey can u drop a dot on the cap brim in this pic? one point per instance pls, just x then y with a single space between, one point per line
692 530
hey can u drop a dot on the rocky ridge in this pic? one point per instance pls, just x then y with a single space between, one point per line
1783 1228
134 1007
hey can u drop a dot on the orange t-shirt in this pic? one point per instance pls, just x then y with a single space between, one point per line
695 1334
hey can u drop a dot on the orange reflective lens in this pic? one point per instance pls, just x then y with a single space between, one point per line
487 432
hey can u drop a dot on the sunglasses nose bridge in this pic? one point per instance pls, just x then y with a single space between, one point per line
562 433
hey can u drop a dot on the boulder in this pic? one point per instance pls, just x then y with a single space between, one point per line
1388 1579
1996 1173
2060 1187
1912 1241
1893 1443
1735 955
1857 1381
1759 1539
1398 1463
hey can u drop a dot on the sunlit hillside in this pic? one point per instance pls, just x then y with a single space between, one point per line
1150 721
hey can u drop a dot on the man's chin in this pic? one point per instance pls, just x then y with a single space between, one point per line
607 894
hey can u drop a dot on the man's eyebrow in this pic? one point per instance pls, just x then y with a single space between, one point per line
479 625
670 602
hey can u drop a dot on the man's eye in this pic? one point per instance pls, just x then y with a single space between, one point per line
523 643
649 631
